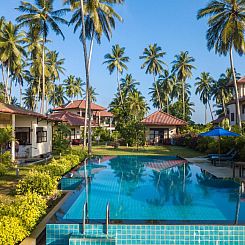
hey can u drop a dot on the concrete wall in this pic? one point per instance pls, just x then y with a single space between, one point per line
232 109
35 149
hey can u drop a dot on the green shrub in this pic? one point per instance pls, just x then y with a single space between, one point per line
3 169
73 159
203 143
36 182
53 169
242 154
5 158
12 230
80 153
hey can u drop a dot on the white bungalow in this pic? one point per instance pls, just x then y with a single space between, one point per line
161 127
231 106
32 132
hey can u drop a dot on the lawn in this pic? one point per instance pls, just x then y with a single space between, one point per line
147 150
9 180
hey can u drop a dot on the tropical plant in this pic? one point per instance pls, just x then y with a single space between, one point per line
128 84
95 18
204 89
42 17
117 61
92 94
73 86
226 33
11 52
153 64
182 67
57 98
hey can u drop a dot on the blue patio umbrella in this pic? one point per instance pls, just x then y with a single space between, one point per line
219 132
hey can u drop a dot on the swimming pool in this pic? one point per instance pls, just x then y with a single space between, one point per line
141 190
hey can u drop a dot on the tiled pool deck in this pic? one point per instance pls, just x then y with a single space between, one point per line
59 234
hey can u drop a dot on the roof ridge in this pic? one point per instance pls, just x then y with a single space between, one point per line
173 116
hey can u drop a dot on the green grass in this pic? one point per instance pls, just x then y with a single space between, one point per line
9 181
147 150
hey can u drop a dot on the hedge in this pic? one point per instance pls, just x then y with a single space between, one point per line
19 217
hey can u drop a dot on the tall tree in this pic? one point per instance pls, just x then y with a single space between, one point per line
11 52
43 17
95 17
182 67
58 97
204 89
117 61
153 63
226 33
128 84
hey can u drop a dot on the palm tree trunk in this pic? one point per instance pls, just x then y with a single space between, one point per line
224 107
4 81
239 121
205 114
7 83
119 87
210 110
167 106
87 78
20 94
86 106
38 92
183 98
158 95
43 76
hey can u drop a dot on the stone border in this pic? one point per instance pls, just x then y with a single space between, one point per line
32 239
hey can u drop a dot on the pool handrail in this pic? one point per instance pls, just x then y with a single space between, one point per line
85 215
107 216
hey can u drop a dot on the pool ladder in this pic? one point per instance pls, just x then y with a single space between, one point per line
85 216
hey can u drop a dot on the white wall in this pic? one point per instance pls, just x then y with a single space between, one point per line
36 149
232 109
172 131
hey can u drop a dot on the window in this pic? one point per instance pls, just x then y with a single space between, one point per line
232 117
22 135
41 135
243 109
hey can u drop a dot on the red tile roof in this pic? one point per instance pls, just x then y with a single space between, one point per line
160 118
104 114
69 117
12 109
79 104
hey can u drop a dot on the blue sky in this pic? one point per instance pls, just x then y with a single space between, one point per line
171 24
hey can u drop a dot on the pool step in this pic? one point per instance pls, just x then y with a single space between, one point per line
92 240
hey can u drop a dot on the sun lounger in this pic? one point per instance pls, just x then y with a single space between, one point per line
222 155
231 158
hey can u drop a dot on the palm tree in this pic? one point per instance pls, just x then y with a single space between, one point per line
226 32
137 105
182 67
204 88
43 17
73 86
166 83
153 63
95 18
78 87
117 61
29 98
57 98
128 84
11 52
221 90
92 94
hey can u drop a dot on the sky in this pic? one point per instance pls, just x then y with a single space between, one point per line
172 24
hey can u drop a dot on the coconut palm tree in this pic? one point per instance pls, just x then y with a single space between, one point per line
182 67
166 82
204 89
29 98
43 17
92 94
221 90
95 18
128 84
58 97
117 61
153 64
11 52
226 33
78 87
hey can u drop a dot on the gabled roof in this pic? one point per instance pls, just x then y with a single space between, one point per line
12 109
160 118
70 118
79 104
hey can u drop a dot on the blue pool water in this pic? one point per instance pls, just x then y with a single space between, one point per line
138 193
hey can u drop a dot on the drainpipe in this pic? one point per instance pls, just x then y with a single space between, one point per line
13 139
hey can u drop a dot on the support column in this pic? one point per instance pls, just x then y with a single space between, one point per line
13 139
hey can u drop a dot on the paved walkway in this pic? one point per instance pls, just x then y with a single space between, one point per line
219 172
